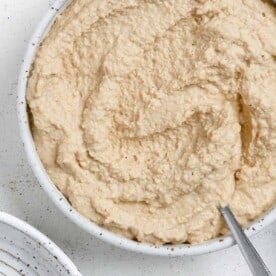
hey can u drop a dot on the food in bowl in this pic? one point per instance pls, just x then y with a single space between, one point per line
149 115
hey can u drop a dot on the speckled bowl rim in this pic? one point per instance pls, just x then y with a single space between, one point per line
61 202
41 239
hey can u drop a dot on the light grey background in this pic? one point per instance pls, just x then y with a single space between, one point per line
21 195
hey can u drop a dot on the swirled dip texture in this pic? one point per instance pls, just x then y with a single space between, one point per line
148 115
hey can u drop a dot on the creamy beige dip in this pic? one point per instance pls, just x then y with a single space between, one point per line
148 115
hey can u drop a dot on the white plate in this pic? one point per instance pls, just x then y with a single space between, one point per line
60 200
26 251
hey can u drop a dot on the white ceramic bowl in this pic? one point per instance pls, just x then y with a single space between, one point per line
25 251
60 200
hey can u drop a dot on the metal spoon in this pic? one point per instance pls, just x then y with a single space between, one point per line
253 259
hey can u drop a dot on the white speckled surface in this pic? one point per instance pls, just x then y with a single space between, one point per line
21 195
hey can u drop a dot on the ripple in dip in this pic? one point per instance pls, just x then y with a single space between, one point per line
148 115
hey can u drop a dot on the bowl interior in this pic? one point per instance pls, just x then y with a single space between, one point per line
26 251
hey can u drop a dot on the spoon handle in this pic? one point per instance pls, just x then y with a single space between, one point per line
253 259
